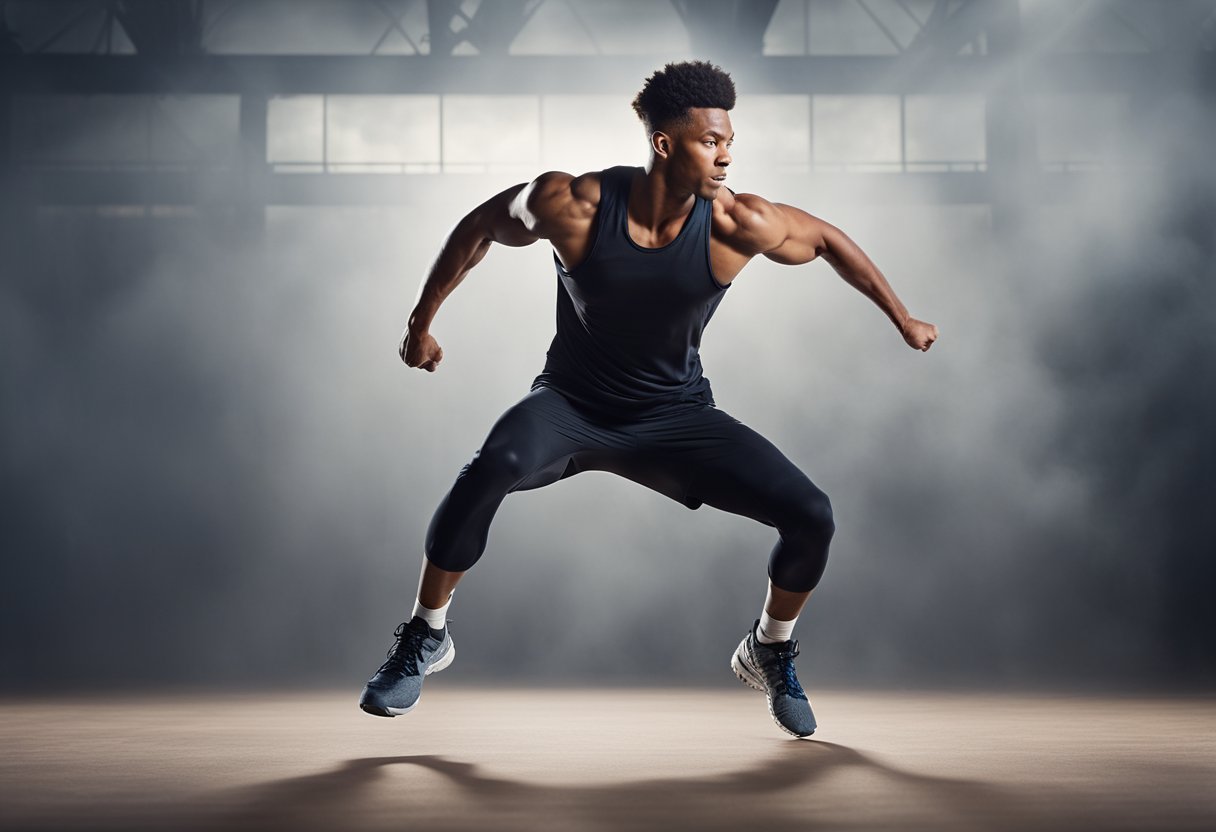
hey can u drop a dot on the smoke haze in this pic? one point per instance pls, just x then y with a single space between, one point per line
215 470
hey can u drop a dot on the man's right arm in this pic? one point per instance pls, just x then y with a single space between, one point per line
465 246
518 216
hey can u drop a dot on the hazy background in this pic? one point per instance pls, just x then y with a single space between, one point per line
214 470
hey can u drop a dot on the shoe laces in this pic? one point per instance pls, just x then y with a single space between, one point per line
784 666
403 656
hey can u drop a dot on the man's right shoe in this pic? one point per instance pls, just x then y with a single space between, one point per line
397 685
769 668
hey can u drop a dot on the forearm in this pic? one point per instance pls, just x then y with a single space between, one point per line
851 263
462 250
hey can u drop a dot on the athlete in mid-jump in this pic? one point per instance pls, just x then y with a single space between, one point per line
643 257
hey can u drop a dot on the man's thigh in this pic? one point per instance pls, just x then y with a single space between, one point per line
706 456
536 438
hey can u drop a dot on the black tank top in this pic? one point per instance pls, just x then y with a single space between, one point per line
629 319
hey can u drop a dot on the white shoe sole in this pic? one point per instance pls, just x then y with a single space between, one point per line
746 673
749 676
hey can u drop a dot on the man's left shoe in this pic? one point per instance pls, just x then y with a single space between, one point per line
397 685
769 668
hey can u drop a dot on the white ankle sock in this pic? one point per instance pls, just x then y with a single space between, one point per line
771 631
435 619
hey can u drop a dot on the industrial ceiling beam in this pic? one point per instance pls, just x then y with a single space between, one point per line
162 27
1146 73
726 27
490 29
952 25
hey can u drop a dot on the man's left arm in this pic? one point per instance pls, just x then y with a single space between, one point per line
805 237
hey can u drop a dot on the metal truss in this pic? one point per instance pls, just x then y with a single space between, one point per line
728 27
406 74
985 47
731 27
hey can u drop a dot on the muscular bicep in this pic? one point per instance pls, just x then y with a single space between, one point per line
803 237
556 204
495 219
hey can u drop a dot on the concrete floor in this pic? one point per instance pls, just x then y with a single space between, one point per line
489 759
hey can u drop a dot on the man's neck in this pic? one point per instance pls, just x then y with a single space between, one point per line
654 203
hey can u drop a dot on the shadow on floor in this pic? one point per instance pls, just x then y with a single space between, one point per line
783 793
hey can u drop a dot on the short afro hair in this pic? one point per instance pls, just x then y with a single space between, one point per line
671 91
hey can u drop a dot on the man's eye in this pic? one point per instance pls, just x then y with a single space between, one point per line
711 142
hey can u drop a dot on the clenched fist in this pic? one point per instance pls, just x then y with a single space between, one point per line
420 350
919 335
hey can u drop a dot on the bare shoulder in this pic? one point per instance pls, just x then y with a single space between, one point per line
585 189
745 209
556 193
748 222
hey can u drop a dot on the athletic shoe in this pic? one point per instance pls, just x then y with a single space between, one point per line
769 668
397 685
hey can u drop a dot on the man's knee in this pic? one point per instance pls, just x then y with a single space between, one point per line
812 512
819 511
801 554
503 464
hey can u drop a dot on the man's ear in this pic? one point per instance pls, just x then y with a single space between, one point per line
660 143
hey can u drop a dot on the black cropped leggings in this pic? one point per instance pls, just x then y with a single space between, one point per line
694 455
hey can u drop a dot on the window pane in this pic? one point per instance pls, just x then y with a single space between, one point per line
293 127
590 132
502 130
773 131
383 129
787 29
195 128
622 27
944 128
857 131
844 27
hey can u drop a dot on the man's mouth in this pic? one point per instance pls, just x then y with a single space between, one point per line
720 178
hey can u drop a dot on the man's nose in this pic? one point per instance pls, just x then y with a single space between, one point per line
724 159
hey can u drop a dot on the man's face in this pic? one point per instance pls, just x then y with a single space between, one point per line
700 151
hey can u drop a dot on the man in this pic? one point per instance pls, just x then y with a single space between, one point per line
643 257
